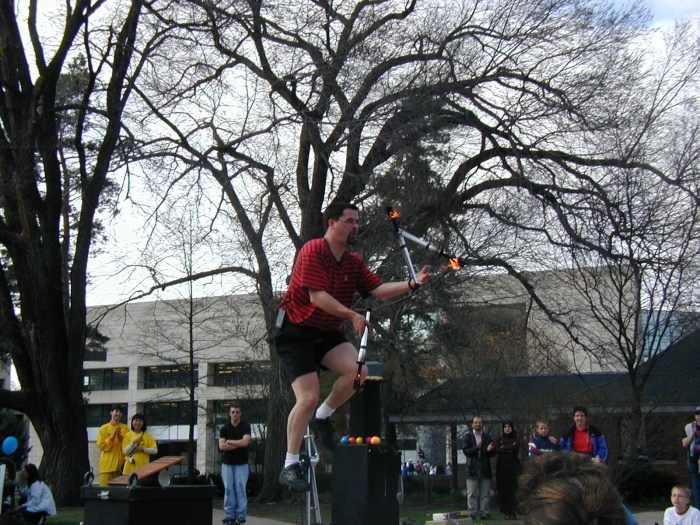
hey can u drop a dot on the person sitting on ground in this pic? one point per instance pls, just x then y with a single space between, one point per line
682 512
39 500
561 488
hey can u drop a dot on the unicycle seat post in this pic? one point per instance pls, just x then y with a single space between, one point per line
309 459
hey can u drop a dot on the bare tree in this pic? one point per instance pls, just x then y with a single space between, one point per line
47 232
541 106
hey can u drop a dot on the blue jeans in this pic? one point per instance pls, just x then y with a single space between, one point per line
235 478
695 480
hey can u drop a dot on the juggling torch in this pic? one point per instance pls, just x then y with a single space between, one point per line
454 263
357 385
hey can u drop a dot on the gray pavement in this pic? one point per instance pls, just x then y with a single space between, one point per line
644 518
650 518
218 515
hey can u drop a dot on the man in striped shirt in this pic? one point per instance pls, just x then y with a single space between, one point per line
322 290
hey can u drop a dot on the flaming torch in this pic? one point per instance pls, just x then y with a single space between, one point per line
455 263
357 385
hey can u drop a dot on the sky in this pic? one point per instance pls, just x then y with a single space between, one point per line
105 288
666 11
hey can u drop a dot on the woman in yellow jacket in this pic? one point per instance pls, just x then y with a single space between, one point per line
139 445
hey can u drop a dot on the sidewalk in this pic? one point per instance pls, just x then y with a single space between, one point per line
644 518
218 515
650 518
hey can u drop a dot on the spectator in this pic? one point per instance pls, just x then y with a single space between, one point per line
39 500
682 512
234 440
691 441
109 440
568 489
139 445
508 469
584 438
543 442
479 449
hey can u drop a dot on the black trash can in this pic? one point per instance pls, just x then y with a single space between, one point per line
113 505
365 485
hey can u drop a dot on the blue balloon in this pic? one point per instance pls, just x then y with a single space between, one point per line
9 445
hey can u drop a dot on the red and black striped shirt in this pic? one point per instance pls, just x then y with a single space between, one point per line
317 269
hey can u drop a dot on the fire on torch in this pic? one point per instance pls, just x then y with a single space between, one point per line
454 263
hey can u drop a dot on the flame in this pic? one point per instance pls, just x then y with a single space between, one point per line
393 213
454 263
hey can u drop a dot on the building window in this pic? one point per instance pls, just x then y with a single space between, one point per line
242 373
169 376
98 415
167 414
106 379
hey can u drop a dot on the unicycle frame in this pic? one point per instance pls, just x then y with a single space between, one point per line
313 506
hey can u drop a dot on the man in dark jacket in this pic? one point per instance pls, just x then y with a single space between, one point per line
585 438
479 449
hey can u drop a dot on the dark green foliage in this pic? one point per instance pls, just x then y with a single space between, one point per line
642 481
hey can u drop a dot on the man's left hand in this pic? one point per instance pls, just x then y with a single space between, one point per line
423 275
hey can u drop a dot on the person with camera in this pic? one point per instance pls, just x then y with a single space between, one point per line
139 445
691 441
35 495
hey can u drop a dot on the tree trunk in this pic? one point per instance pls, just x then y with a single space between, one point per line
278 407
60 425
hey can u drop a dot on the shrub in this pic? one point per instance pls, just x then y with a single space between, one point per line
642 481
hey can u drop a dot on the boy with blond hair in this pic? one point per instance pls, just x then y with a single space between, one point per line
682 512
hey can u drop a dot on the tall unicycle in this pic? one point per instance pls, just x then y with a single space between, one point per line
308 460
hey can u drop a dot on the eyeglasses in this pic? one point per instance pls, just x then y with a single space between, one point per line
351 222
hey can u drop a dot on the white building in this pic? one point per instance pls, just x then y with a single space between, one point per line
146 364
146 368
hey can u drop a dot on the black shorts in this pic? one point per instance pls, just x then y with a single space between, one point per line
301 348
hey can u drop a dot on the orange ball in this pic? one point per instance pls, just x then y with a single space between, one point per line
376 440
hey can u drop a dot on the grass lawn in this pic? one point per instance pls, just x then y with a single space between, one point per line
416 509
67 516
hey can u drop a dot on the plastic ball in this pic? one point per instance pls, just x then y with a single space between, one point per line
9 445
344 440
351 440
358 441
376 440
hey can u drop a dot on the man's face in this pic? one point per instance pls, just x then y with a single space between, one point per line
697 419
543 429
580 419
347 226
116 415
477 424
235 414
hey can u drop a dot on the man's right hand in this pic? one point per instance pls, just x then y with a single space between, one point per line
359 323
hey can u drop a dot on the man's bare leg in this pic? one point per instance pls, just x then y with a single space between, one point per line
306 392
342 359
